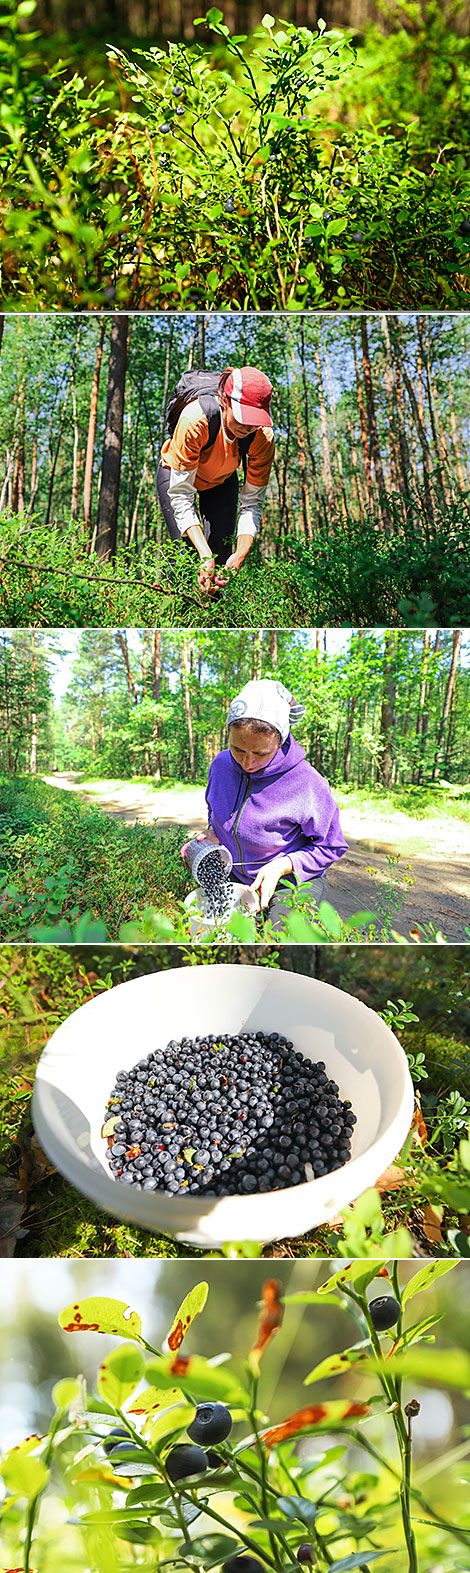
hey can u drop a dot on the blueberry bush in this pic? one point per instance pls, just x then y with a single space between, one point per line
411 578
263 171
119 1482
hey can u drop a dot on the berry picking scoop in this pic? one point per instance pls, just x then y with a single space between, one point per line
201 846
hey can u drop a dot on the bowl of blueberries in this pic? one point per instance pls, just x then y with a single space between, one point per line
222 1102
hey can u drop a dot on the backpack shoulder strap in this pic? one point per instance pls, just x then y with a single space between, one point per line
244 444
209 404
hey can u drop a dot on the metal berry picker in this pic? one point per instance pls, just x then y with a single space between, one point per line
210 867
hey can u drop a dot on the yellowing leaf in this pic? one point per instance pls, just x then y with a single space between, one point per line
425 1277
192 1305
177 1418
154 1398
120 1373
330 1414
66 1392
24 1475
100 1315
206 1382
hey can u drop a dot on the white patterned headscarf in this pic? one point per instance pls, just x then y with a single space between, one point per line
266 700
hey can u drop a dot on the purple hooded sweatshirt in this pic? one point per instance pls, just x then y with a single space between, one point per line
284 809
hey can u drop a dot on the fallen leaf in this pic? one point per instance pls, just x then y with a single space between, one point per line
11 1212
432 1219
391 1179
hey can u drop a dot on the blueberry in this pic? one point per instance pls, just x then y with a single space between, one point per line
305 1554
184 1461
358 237
114 1437
384 1312
464 229
164 128
177 91
212 1423
243 1564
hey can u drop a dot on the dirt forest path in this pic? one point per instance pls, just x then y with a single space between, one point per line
438 852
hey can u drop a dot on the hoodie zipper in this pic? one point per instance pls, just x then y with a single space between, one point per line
236 824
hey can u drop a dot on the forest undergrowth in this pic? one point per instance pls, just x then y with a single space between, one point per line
237 172
356 575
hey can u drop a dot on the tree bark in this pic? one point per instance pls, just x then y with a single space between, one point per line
106 539
187 704
90 445
448 700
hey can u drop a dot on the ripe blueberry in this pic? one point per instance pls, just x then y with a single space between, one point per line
384 1312
305 1554
464 228
177 91
242 1564
164 128
184 1461
358 237
212 1423
114 1438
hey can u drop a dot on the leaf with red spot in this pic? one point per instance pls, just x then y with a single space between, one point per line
101 1315
269 1323
330 1415
154 1398
196 1376
355 1274
336 1364
192 1305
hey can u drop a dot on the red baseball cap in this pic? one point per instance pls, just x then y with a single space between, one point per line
249 392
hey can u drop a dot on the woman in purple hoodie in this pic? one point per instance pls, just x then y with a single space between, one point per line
268 806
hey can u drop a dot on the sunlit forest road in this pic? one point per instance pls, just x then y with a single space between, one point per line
437 851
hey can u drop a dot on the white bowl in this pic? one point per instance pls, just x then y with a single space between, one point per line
245 900
78 1068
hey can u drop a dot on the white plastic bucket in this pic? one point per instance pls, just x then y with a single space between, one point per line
78 1068
245 900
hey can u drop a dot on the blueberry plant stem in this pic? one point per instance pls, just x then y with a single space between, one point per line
34 1503
391 1387
262 1461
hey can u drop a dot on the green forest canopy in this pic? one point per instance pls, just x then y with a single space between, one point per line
382 707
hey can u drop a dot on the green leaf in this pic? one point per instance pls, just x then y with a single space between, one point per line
65 1392
425 1278
24 1475
120 1373
441 1367
192 1306
354 1274
358 1560
100 1315
298 1508
177 1418
336 1364
205 1381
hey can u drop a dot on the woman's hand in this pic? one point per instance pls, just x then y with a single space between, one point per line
206 573
269 876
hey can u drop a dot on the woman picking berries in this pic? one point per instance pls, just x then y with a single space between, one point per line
268 806
200 460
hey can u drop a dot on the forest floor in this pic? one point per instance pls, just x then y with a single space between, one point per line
437 850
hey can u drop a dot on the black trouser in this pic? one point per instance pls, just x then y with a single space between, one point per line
218 510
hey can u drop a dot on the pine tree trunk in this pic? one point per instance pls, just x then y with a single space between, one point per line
92 417
373 432
187 704
456 637
387 714
106 539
